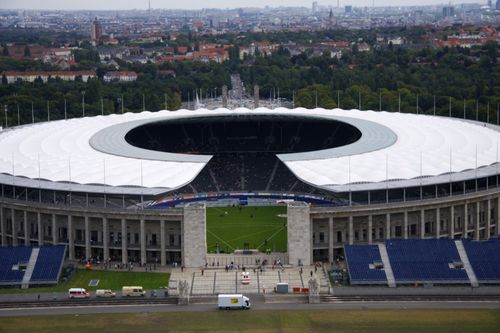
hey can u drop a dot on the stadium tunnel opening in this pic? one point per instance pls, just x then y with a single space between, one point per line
244 148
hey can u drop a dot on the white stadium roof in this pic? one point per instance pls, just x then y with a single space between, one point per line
395 146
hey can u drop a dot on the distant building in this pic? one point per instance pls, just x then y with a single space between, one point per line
96 31
498 5
125 76
448 11
13 76
348 9
314 7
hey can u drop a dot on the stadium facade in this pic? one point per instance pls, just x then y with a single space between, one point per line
135 187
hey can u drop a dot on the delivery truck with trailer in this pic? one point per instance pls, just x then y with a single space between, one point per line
233 301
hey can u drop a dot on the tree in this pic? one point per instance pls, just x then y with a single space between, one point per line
4 80
27 52
5 50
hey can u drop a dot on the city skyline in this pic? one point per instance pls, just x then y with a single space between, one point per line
193 4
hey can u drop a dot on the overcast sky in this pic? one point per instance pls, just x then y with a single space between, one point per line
195 4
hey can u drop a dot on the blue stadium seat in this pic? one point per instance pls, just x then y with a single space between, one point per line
425 261
48 264
10 256
359 258
484 259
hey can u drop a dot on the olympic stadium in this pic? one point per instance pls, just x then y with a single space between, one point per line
136 186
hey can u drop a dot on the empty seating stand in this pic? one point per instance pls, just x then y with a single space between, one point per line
49 264
484 259
425 261
361 260
14 262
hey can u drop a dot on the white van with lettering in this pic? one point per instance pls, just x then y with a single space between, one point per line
78 293
133 291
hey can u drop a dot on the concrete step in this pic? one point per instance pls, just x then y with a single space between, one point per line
467 266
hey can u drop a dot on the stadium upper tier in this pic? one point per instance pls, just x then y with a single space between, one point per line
323 148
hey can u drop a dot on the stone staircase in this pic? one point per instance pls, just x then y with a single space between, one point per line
467 266
30 268
391 282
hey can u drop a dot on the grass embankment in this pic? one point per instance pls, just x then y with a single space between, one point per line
352 321
107 280
260 227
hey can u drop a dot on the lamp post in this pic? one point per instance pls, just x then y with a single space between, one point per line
83 103
5 109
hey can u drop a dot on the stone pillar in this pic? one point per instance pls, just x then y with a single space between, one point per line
163 254
88 251
370 229
299 234
477 224
405 225
14 228
466 221
143 241
498 218
54 230
351 230
3 228
26 230
438 223
256 96
124 242
224 96
452 222
105 238
40 228
194 236
71 240
330 240
388 226
422 224
488 218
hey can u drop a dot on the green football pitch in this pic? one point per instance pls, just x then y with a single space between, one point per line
232 228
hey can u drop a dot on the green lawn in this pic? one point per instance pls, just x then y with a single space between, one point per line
299 321
107 280
260 227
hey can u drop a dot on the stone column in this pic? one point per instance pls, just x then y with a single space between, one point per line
143 241
71 240
299 234
26 231
438 223
124 242
351 230
88 251
14 229
330 240
40 228
388 226
54 230
370 229
422 224
466 221
163 254
477 226
3 228
194 236
105 238
452 222
488 218
498 217
405 225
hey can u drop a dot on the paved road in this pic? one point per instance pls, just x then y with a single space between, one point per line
255 306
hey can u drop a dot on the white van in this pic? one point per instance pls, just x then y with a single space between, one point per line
235 301
104 293
78 293
133 291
